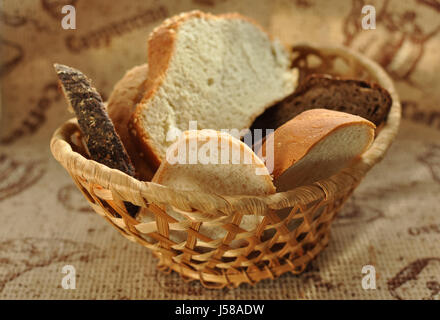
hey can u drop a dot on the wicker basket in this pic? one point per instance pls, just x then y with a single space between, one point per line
278 245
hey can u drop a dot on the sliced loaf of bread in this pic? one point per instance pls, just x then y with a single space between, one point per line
366 99
221 71
315 145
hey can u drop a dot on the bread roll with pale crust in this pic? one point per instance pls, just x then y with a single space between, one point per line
222 71
224 165
315 145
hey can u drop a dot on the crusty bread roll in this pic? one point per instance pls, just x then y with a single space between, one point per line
315 145
224 166
122 102
222 71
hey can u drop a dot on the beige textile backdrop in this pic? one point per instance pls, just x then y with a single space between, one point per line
392 221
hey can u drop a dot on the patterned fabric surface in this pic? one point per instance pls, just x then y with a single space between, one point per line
392 221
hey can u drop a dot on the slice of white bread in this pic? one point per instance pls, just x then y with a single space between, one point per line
221 71
224 165
315 145
126 93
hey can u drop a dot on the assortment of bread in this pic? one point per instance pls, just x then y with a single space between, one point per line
226 72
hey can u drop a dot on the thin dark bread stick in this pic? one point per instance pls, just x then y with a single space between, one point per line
102 140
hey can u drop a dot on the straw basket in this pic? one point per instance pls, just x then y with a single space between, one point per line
277 245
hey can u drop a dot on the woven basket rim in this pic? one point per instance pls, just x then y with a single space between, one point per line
133 190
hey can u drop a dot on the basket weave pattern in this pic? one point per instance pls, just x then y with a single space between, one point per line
296 224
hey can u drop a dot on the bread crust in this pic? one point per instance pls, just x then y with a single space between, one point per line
161 47
293 140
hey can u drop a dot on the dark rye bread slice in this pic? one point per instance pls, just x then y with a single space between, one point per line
362 98
103 143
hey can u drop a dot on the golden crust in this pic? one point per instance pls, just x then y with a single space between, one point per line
141 139
294 139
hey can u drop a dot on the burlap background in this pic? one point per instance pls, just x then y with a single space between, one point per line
391 222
